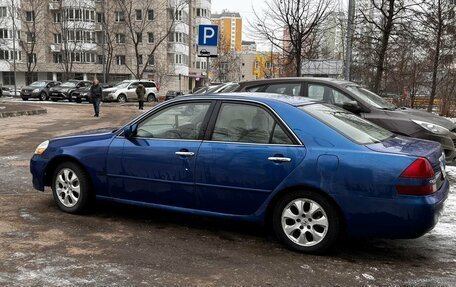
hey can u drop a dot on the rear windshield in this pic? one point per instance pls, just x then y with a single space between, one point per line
353 127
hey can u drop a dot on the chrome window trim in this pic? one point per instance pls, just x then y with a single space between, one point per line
171 102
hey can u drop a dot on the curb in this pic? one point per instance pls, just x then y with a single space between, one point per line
22 113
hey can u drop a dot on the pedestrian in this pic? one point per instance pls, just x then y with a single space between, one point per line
95 94
141 92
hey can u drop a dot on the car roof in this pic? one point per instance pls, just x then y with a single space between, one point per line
294 79
258 97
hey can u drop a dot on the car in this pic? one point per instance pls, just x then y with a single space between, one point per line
38 89
66 89
220 88
126 91
310 170
361 101
172 94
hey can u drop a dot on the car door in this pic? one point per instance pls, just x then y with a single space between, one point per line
246 154
131 91
157 165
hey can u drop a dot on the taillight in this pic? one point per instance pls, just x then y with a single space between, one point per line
419 169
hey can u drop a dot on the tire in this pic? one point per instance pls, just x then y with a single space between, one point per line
78 100
43 96
303 229
122 98
70 97
25 99
54 99
151 98
71 188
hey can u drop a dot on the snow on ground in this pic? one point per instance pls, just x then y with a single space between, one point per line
445 227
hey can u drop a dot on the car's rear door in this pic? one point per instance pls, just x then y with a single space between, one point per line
247 152
157 165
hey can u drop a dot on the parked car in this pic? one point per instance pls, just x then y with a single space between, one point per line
356 99
311 170
172 94
83 94
220 88
66 89
38 89
126 91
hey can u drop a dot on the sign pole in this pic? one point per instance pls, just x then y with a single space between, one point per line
207 74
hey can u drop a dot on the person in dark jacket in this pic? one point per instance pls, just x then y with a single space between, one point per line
141 92
95 93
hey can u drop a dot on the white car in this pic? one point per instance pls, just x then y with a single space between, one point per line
126 91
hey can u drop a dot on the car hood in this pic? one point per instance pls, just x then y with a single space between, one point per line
410 146
61 88
110 90
425 117
31 88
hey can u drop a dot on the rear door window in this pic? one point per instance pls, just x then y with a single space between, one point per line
255 88
327 94
290 89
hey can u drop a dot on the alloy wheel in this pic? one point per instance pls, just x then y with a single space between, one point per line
68 187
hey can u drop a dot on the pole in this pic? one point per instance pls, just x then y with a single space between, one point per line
207 75
13 12
350 31
103 22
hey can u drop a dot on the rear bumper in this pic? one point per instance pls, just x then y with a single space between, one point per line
399 217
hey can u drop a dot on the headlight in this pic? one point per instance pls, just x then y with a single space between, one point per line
36 90
84 94
42 147
433 128
111 94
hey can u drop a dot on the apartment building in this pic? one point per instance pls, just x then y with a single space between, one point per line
230 30
111 40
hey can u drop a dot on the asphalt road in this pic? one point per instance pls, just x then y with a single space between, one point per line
118 245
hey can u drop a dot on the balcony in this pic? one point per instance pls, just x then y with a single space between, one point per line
54 5
56 48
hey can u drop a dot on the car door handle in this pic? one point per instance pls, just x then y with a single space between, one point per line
279 159
184 153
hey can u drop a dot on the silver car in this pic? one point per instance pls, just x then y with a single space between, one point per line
126 91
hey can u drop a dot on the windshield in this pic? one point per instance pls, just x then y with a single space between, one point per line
371 98
38 84
229 88
121 85
353 127
68 84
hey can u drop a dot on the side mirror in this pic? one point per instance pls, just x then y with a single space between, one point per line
352 106
130 131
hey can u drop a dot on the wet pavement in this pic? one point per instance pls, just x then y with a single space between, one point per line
119 245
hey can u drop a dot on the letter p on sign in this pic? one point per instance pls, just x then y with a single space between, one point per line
208 33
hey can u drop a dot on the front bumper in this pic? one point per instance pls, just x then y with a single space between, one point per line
448 143
58 95
27 95
38 166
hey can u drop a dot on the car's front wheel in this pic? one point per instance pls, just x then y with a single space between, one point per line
43 96
71 188
306 221
122 98
151 98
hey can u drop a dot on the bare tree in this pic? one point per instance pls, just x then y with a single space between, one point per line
137 25
291 26
32 17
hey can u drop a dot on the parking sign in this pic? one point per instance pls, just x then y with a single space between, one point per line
207 40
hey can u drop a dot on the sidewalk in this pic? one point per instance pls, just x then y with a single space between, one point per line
19 109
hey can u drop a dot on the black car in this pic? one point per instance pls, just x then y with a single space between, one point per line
38 89
83 94
358 100
172 94
65 90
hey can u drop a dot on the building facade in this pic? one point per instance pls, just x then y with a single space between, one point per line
230 30
111 40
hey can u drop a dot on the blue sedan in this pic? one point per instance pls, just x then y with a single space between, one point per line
309 170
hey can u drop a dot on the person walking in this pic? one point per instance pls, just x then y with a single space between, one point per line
95 94
141 92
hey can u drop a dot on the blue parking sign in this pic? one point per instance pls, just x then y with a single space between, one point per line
208 35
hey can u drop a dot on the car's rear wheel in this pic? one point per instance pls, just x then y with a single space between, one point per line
43 96
306 221
151 98
54 99
121 98
71 188
25 99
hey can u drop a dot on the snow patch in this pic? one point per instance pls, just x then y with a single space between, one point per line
368 276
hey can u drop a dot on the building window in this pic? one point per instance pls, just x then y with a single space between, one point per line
120 16
3 12
31 58
29 16
139 37
31 77
100 17
120 59
140 59
57 38
4 34
138 14
8 78
178 16
57 17
30 37
100 59
150 15
120 38
151 60
150 37
57 57
4 55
